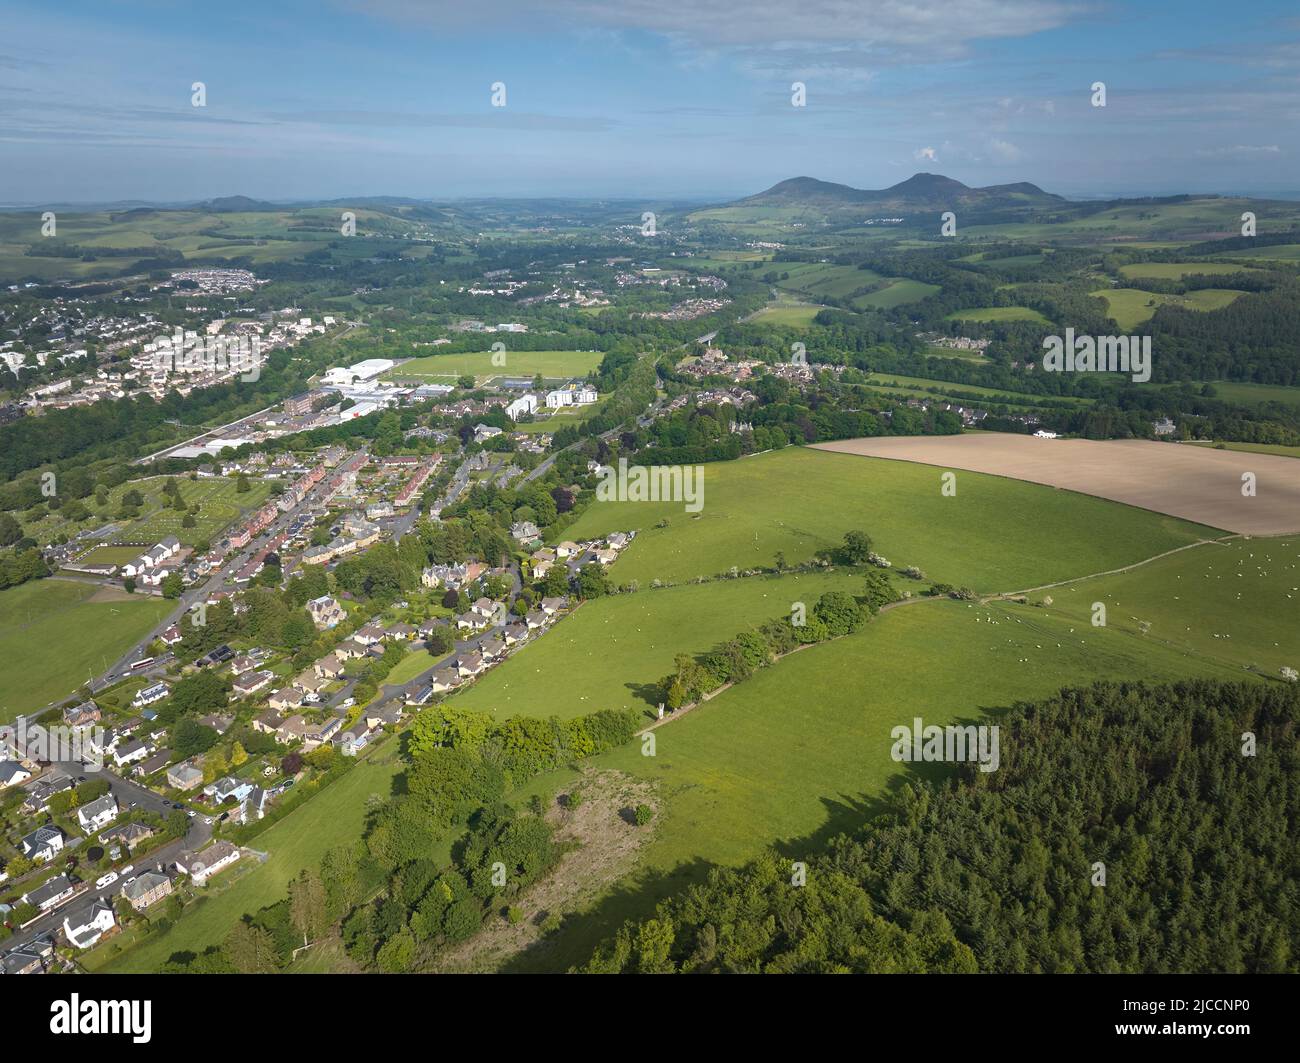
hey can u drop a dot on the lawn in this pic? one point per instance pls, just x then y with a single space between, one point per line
334 816
994 534
410 666
801 751
64 635
552 365
612 650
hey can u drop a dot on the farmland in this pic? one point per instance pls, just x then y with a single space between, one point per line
799 501
1130 307
488 365
72 629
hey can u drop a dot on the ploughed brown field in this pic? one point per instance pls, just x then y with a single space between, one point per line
1195 483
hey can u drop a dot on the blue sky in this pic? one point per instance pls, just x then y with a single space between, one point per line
641 98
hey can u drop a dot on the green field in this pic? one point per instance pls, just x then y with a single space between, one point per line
799 501
1274 253
1256 448
333 817
801 751
53 638
415 662
1253 394
1179 270
998 313
220 505
898 293
1132 306
552 365
612 650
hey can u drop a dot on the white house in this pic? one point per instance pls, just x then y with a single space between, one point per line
150 694
44 843
202 866
87 927
12 774
1043 433
98 813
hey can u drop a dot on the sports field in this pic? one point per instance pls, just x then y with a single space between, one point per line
801 500
552 365
1195 483
55 634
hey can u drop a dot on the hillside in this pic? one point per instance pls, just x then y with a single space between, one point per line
921 190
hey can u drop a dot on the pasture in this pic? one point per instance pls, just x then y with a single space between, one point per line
998 313
1130 307
801 500
55 634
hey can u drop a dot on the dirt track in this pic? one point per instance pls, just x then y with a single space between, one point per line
1196 483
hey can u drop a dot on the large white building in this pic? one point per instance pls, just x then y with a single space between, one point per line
522 405
366 370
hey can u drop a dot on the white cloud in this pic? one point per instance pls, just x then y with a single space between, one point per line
925 155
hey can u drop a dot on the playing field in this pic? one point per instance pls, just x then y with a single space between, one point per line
612 651
1195 483
994 534
55 634
488 365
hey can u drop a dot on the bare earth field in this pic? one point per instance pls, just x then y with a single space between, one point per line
1194 483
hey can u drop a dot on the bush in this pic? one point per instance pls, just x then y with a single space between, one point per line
643 815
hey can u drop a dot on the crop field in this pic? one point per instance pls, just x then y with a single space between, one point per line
802 500
1194 483
801 751
55 634
1132 306
612 650
332 817
552 365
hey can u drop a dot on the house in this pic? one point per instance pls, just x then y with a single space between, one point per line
172 636
317 734
1162 427
128 834
349 649
388 715
535 620
184 776
551 606
568 548
12 774
250 683
326 612
202 866
148 887
51 893
310 683
493 648
369 635
427 629
353 740
226 788
82 715
150 694
514 633
400 632
286 699
1043 433
44 843
294 729
618 540
469 664
217 721
97 813
471 621
40 792
23 960
268 723
329 667
605 557
87 927
541 568
484 607
445 679
155 763
420 694
524 531
130 752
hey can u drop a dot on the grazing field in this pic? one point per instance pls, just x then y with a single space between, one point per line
897 293
1254 394
801 751
788 313
334 816
1236 603
552 365
614 649
1131 306
1195 483
801 500
998 313
55 634
1276 253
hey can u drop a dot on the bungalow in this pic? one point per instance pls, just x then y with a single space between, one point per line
535 620
150 694
89 926
202 866
318 734
51 893
155 763
217 721
184 776
286 699
445 679
542 568
353 740
129 752
618 540
310 683
254 806
350 648
268 723
568 548
524 531
470 622
226 788
484 607
369 635
23 960
172 636
12 774
420 694
402 632
294 729
146 888
514 633
605 557
551 606
44 843
388 715
40 792
493 648
127 834
427 629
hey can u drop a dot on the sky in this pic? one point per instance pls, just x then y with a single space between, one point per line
627 99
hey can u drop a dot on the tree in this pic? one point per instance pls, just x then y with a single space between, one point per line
10 530
878 590
242 486
250 949
643 815
291 764
238 755
128 585
856 548
307 905
172 585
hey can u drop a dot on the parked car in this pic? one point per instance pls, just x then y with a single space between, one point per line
347 703
126 870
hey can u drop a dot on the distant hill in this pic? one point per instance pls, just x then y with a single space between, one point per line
920 191
234 205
